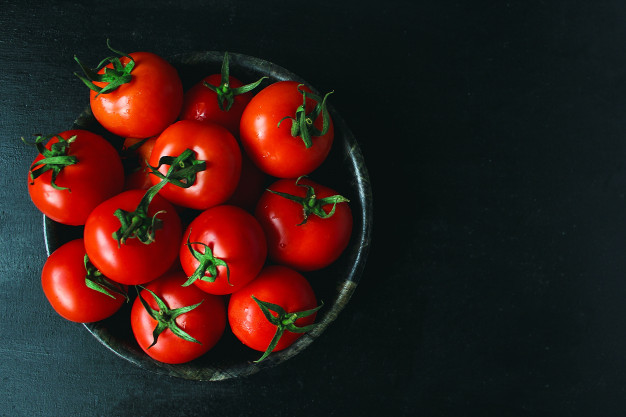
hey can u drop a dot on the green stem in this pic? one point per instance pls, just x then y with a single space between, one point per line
207 263
226 94
54 159
311 204
283 321
303 124
113 77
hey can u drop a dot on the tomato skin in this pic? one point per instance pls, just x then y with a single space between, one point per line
310 246
133 262
146 105
63 283
206 323
210 142
250 186
96 176
200 103
234 236
275 284
272 148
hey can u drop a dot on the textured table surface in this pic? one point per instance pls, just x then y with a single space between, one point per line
495 137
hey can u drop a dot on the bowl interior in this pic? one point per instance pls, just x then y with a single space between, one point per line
344 170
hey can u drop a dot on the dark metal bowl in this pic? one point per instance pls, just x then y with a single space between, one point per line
344 170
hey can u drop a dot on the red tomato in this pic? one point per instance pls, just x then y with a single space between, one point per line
132 262
309 246
63 281
200 103
145 105
205 323
96 175
209 142
273 148
138 173
230 241
278 285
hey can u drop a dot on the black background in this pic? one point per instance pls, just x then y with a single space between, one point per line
494 137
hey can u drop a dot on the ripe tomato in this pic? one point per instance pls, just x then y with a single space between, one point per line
280 286
313 244
218 98
137 153
205 323
200 103
94 173
272 147
209 142
147 99
63 279
231 245
132 262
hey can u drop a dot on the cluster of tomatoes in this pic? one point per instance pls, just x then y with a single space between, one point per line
183 213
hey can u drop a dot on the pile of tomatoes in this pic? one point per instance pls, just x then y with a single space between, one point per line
181 221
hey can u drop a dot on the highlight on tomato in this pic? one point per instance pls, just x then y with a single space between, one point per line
176 324
76 289
75 171
287 130
307 225
223 249
133 95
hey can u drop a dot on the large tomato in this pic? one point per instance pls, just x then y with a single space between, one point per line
92 173
303 233
64 281
132 262
292 309
223 249
210 143
145 96
274 148
187 321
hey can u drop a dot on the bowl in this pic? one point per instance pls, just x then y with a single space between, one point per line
344 170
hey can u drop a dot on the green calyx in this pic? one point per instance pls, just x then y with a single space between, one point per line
113 77
98 282
283 321
226 94
166 317
302 125
208 264
311 204
54 159
137 224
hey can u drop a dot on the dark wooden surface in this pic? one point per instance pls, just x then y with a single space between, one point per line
494 134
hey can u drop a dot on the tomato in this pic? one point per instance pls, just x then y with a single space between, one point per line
200 103
231 245
94 173
63 279
283 287
218 98
132 262
202 326
137 172
272 147
304 245
147 100
210 143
